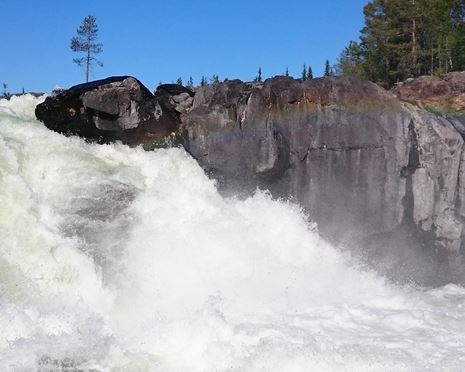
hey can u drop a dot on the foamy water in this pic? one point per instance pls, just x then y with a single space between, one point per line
116 259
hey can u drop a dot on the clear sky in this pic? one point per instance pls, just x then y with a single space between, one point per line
161 40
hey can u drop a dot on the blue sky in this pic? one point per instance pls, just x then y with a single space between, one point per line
162 40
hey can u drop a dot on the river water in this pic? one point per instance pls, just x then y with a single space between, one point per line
117 259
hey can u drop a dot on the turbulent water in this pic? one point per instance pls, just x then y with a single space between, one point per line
116 259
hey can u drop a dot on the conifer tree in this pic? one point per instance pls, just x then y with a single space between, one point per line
350 62
179 81
203 81
258 78
190 83
309 73
215 79
407 38
86 42
304 73
287 72
327 69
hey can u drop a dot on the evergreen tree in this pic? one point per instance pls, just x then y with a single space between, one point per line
304 73
86 42
179 81
258 78
309 73
190 83
386 38
327 69
203 81
350 62
287 72
444 36
215 79
5 86
407 38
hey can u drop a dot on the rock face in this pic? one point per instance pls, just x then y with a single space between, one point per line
117 108
338 145
381 170
368 167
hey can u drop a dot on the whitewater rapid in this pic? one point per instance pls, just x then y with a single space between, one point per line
117 259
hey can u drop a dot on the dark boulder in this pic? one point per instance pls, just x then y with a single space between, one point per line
117 108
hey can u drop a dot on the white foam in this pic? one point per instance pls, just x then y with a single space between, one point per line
116 259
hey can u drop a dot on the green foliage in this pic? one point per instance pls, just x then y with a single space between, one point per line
215 79
190 83
309 73
407 38
304 73
179 81
203 81
86 42
287 72
351 60
328 71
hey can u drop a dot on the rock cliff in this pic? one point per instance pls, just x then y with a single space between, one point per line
382 170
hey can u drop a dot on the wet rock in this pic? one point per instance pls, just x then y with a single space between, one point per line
117 108
379 169
362 162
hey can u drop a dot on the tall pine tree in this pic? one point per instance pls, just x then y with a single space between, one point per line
407 38
86 42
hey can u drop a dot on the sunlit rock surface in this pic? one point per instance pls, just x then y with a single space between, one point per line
114 109
377 168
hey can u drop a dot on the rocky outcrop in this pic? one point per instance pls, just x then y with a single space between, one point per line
382 170
444 94
337 145
362 162
117 108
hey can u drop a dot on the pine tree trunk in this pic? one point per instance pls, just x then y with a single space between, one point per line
87 65
432 61
89 43
414 39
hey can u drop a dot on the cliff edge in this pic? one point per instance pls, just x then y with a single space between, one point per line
382 170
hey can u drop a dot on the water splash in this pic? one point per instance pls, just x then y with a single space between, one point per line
116 259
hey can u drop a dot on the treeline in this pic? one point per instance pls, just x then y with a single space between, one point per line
407 38
307 74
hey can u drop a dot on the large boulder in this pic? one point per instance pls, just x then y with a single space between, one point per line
117 108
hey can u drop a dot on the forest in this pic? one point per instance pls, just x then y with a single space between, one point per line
407 38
